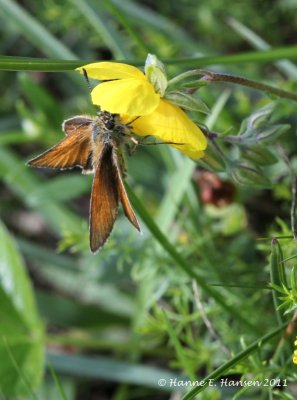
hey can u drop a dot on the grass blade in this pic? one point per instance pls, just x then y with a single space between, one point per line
111 370
179 350
285 66
145 16
57 382
122 20
100 23
223 369
34 31
9 63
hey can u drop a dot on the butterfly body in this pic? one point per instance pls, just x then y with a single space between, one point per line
95 144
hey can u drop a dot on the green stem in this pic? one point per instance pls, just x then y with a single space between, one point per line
39 64
276 275
218 77
219 151
11 63
288 52
57 381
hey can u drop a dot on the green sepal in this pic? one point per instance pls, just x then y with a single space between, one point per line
258 154
244 174
272 133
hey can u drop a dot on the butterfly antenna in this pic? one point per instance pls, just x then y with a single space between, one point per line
87 79
88 83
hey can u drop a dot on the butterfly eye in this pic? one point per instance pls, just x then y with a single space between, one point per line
108 119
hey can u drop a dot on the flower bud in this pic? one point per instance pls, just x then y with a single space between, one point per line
155 73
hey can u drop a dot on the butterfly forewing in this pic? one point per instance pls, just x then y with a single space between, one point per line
104 199
74 150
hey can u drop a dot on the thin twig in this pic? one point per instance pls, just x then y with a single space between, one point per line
207 322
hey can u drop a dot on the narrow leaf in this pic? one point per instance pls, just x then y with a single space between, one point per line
21 331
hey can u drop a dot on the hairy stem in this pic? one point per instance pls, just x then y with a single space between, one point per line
218 77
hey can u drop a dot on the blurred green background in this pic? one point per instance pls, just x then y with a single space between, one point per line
177 302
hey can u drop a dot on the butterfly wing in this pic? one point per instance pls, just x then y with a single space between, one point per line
74 150
104 200
128 210
72 125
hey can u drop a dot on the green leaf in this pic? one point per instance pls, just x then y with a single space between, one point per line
277 275
21 331
179 184
110 369
187 101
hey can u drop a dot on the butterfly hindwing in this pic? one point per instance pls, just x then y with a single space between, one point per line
128 210
79 123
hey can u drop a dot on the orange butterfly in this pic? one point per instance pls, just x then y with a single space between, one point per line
95 144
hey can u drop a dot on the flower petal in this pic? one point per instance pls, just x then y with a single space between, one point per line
111 70
170 124
126 96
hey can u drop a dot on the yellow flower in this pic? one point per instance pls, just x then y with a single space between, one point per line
295 353
127 91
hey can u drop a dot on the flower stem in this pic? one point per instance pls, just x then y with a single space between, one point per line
218 77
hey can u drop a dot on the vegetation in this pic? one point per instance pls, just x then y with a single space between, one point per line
203 303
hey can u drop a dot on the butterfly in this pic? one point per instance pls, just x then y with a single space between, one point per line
95 144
